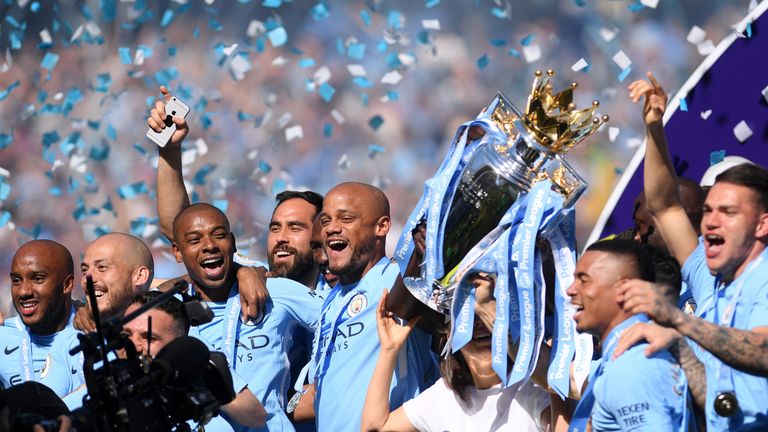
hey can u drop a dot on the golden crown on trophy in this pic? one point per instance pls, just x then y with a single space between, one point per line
553 118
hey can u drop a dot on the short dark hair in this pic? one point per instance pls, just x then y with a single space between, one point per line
631 251
311 197
172 306
750 176
667 271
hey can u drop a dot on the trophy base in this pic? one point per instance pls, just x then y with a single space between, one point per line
406 306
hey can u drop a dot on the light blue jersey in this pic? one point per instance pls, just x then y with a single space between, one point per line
349 347
747 298
51 364
634 392
258 352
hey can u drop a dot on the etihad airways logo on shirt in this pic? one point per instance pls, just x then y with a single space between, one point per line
344 335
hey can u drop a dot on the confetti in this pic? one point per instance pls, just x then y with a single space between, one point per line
765 93
579 65
338 117
683 105
375 122
650 3
167 18
613 133
716 157
356 51
608 34
125 55
5 140
326 92
635 6
239 66
431 3
532 53
293 133
705 114
624 74
621 60
343 162
356 70
432 24
132 190
278 36
706 47
482 62
742 131
696 35
394 77
320 12
49 61
374 149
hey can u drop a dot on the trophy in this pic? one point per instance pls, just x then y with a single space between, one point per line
496 159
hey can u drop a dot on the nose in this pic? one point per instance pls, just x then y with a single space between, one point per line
25 288
138 342
209 245
333 227
572 290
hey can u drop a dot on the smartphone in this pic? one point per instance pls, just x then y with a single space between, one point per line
173 108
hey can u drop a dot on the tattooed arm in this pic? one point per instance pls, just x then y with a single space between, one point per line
695 372
744 350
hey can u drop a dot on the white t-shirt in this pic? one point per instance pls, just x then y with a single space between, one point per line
517 408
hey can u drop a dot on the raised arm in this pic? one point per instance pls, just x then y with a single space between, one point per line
392 336
171 194
246 410
661 188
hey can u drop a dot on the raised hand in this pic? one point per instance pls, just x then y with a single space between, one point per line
392 335
655 101
156 120
641 297
658 338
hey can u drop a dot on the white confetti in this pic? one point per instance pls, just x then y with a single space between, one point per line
634 142
230 49
188 157
613 132
608 34
705 114
149 230
322 75
201 146
78 163
93 29
22 3
45 36
406 59
392 78
706 47
284 120
696 35
138 59
293 133
338 117
356 70
765 93
8 61
532 53
239 66
343 162
579 65
4 172
742 131
255 28
650 3
76 35
280 61
621 60
433 24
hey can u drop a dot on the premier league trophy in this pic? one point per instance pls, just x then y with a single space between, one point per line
474 208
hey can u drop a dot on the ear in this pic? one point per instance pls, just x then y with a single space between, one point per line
382 226
761 231
176 252
140 276
69 284
234 243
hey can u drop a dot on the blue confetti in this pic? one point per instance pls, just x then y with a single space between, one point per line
214 25
138 226
264 167
306 63
393 95
167 75
499 13
514 53
327 130
125 55
108 10
132 190
356 51
326 92
375 122
111 133
683 105
203 172
375 149
196 33
16 38
482 62
102 230
54 191
278 185
171 51
50 138
221 204
362 82
108 204
99 153
381 46
580 3
5 190
748 30
12 21
5 140
139 148
146 50
277 37
34 7
366 17
636 6
364 98
431 3
86 11
243 116
272 3
103 81
395 20
623 75
49 61
167 18
41 96
498 42
716 157
4 218
320 12
526 40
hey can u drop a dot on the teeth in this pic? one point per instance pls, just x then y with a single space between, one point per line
335 243
211 260
99 293
282 254
712 237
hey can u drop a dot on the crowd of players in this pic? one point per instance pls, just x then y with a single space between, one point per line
678 306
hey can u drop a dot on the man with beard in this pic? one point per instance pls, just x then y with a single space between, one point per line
355 221
38 340
257 352
726 272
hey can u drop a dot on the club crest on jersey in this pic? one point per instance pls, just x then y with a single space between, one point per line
357 304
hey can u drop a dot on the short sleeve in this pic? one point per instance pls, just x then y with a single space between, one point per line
656 399
758 316
696 274
300 303
238 383
421 409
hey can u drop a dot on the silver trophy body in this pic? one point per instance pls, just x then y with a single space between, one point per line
505 164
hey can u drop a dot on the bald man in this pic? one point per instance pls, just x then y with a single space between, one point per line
36 343
121 266
355 222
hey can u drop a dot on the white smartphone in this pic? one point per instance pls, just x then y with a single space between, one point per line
173 108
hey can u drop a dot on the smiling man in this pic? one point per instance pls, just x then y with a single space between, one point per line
726 272
256 351
631 392
355 222
37 341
